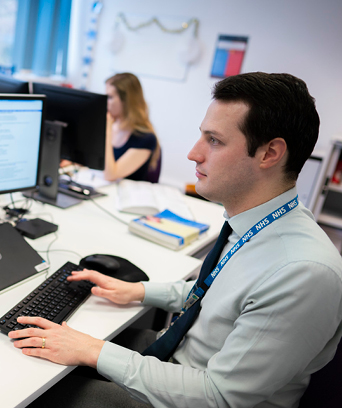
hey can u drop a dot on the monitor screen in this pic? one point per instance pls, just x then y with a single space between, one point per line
84 113
11 85
21 120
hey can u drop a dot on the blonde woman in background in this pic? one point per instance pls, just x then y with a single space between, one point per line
132 148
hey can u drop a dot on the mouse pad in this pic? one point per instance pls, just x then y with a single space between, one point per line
127 272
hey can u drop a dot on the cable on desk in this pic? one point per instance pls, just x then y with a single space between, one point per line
108 212
48 250
60 250
49 246
27 201
15 212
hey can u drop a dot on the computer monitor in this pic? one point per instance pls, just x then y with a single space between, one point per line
309 180
84 113
12 85
21 123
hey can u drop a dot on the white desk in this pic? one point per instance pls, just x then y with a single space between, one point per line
86 229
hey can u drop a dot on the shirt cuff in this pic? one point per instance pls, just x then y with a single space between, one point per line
156 294
112 362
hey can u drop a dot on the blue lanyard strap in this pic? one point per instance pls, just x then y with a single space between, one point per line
197 293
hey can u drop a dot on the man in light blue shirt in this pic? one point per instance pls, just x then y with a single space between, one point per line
273 314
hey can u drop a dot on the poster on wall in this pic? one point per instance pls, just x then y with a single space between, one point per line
229 54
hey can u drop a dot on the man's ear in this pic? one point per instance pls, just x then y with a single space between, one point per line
272 152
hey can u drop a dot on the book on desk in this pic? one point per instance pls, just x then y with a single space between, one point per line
168 229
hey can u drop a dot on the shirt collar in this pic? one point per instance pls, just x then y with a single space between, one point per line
242 222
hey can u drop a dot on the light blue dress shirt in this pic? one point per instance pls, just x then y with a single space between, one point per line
270 319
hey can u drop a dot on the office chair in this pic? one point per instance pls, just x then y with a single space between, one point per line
325 388
153 174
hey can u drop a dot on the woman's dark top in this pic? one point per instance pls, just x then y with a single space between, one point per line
138 140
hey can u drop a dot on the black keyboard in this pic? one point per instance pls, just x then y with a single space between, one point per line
55 299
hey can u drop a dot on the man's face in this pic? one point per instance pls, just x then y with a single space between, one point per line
224 170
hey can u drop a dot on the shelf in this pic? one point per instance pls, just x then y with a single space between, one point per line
328 210
335 187
330 220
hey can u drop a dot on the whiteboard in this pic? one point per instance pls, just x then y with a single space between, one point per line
150 51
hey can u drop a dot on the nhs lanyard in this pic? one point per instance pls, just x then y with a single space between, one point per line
197 293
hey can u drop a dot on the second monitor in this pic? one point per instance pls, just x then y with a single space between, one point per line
75 130
84 114
9 85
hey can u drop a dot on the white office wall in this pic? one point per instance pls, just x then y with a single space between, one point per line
302 37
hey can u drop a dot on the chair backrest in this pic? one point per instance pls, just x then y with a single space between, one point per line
153 174
325 388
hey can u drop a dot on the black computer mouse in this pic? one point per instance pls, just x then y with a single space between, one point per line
115 267
101 263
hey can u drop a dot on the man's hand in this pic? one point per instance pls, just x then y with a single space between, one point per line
67 346
115 290
62 344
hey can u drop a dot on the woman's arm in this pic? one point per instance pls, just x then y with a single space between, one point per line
127 164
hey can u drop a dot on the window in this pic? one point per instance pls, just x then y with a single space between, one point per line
8 18
34 35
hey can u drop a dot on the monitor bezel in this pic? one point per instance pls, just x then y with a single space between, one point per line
4 96
19 86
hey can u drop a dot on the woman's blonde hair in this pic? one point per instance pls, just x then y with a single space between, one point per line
135 109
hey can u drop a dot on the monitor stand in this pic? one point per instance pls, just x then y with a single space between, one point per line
49 168
77 190
61 201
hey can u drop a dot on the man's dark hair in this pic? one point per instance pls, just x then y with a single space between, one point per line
279 106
